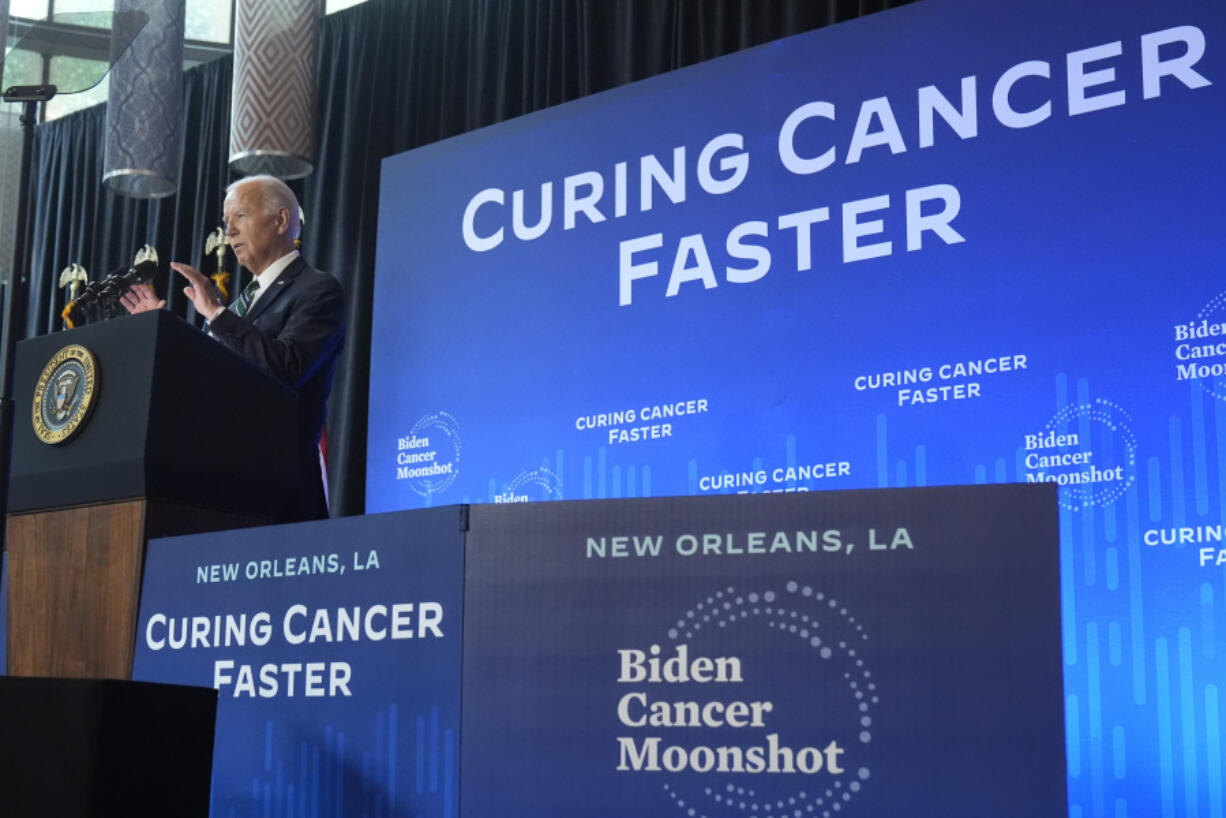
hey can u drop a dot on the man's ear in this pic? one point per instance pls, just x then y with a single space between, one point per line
282 221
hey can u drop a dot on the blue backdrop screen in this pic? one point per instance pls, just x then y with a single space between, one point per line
952 243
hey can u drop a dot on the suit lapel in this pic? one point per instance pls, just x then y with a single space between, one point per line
276 289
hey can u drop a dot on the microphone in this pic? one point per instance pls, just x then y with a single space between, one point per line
103 296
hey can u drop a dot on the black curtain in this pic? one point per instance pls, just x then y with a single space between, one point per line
394 75
76 219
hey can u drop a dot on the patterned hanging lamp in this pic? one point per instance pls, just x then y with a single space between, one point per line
272 118
142 112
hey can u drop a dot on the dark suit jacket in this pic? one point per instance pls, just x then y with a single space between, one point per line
295 332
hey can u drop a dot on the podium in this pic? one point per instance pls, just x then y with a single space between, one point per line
183 436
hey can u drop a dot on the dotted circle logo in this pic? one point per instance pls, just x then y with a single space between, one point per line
530 486
1094 458
1211 372
440 435
834 643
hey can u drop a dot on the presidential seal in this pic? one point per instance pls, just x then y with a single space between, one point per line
65 394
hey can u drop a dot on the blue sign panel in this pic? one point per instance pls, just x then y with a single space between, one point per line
956 242
335 647
4 611
855 653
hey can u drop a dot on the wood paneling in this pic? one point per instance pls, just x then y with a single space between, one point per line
74 587
75 577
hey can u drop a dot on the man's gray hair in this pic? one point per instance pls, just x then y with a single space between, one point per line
275 194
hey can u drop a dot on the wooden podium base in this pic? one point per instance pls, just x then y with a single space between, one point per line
74 582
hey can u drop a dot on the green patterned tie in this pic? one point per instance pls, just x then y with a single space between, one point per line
240 305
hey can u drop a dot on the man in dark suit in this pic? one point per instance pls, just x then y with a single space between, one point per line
289 321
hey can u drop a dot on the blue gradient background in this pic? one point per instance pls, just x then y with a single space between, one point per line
1088 239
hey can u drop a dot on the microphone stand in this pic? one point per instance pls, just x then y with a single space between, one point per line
120 31
15 292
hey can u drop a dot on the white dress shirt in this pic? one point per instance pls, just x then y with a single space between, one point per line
270 274
266 279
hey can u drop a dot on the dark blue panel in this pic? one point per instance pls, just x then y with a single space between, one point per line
893 653
4 611
336 650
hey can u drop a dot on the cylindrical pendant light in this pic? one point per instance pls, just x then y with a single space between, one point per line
142 111
272 117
